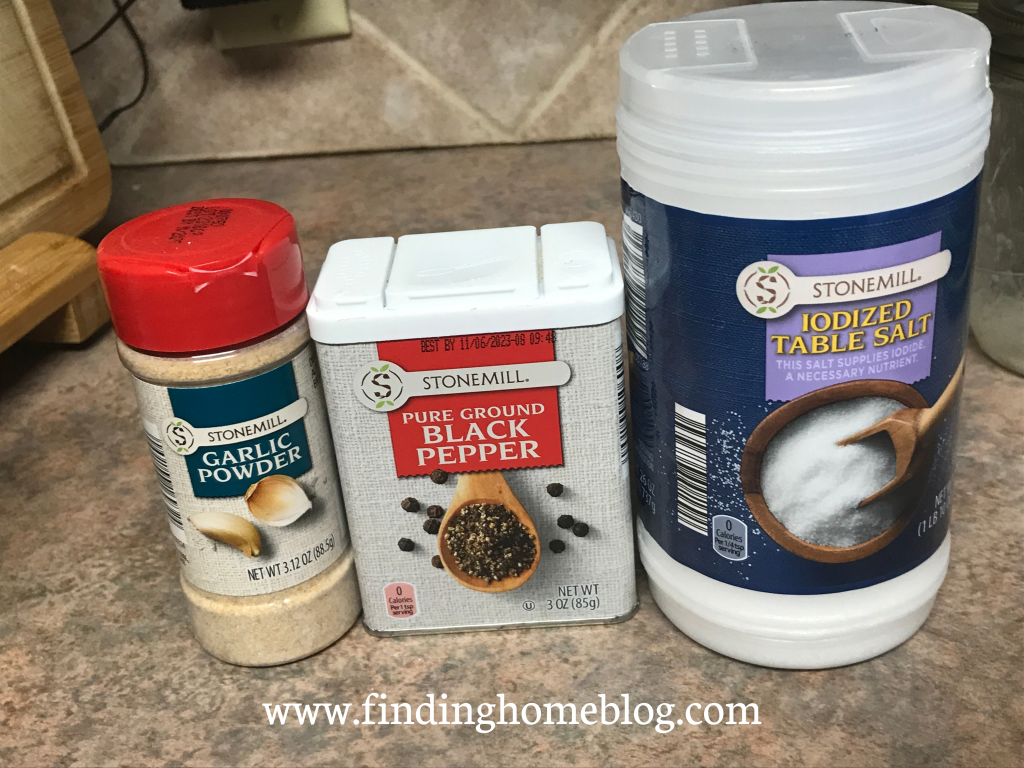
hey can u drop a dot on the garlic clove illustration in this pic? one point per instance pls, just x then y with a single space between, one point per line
230 529
277 500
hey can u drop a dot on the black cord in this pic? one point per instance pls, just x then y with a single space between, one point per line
106 25
110 118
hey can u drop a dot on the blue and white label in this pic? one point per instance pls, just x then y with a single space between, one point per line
233 434
249 461
766 358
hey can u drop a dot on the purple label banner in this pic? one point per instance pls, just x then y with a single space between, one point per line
880 338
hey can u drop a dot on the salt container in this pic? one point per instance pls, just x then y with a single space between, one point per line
475 389
800 185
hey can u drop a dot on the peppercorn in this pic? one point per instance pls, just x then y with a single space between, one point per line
439 476
436 561
566 521
555 489
580 529
431 526
410 505
556 546
406 545
435 511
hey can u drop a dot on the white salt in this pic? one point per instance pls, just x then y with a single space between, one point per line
813 486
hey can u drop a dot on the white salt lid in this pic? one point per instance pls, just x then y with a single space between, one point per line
476 281
804 109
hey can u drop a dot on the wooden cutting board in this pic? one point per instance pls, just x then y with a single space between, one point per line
54 176
49 282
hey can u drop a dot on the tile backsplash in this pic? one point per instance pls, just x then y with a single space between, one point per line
414 73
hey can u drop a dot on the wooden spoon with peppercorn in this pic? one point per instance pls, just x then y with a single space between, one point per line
495 538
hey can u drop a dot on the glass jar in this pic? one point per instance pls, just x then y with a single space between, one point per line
997 298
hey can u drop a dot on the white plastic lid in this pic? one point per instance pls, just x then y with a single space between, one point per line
804 99
477 281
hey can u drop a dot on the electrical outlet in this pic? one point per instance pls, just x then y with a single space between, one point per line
271 22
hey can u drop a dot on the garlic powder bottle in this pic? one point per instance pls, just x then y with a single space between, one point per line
207 301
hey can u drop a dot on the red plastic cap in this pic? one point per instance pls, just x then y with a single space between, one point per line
203 276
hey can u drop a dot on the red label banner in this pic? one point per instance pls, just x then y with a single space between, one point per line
474 431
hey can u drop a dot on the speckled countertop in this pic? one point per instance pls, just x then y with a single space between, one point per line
98 667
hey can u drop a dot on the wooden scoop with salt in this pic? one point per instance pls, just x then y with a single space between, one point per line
908 429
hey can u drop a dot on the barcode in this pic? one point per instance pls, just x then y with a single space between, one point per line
163 472
636 284
620 380
691 469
